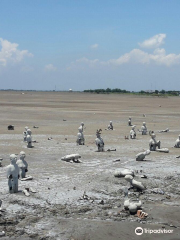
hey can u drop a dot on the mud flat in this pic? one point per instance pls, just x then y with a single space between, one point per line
58 210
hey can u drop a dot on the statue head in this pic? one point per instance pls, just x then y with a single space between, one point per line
148 152
128 178
82 124
98 132
29 131
13 158
133 127
26 128
80 129
110 122
153 135
129 118
22 155
144 124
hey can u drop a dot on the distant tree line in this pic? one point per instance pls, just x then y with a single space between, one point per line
107 90
143 92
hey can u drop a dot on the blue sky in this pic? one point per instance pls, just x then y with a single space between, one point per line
82 44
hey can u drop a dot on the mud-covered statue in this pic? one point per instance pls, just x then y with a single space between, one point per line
134 183
80 137
144 129
133 132
129 121
110 126
29 139
140 156
25 133
153 143
99 141
177 143
22 164
13 174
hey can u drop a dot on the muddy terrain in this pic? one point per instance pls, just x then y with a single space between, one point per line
84 201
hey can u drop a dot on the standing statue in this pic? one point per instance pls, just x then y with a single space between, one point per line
25 133
99 141
129 122
29 139
22 164
144 129
153 143
110 126
177 143
133 132
13 174
80 137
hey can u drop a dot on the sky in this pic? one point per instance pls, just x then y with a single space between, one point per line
81 44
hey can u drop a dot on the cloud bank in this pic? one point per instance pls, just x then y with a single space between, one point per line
137 56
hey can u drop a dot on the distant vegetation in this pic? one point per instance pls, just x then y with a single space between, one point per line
142 92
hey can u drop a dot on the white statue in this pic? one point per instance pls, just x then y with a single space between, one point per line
177 143
80 137
110 126
133 132
13 174
134 183
153 143
140 156
29 138
25 133
129 122
22 164
99 141
123 173
144 129
72 158
131 204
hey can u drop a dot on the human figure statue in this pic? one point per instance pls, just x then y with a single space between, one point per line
29 139
129 122
80 137
177 143
153 143
13 174
25 133
134 183
110 126
99 141
131 204
133 132
140 156
144 129
22 164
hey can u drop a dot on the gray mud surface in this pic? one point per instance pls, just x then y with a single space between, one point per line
58 209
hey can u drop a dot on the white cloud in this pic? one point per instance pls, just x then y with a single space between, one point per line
50 68
158 57
153 42
94 46
138 56
86 60
10 53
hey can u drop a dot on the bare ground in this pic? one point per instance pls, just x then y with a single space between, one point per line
56 211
